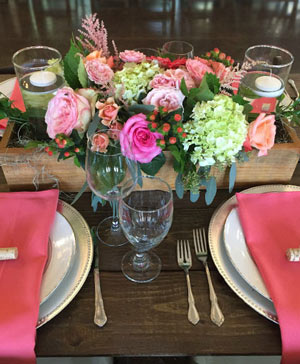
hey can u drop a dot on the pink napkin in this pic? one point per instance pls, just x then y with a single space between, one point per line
26 219
16 96
271 224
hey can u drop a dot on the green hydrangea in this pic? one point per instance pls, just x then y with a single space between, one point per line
216 132
134 80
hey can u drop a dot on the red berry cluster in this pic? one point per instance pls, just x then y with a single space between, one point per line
168 124
60 143
217 55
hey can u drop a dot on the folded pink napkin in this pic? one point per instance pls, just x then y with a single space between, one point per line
16 97
271 224
25 223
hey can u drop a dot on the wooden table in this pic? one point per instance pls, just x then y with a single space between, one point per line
151 319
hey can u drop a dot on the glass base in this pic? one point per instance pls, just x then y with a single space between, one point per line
145 273
109 236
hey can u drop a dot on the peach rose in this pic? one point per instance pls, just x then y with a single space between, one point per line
100 142
108 110
178 74
197 69
98 55
99 72
261 134
167 97
132 56
67 111
115 128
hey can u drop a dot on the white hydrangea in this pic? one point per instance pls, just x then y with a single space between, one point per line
217 131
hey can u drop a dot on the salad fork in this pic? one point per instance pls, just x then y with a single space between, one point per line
184 260
200 244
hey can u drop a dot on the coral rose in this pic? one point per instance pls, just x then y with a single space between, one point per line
98 55
197 69
137 141
261 134
115 128
178 74
98 72
108 110
99 142
132 56
166 97
67 111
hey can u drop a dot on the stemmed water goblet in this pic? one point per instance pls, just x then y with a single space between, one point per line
108 169
146 215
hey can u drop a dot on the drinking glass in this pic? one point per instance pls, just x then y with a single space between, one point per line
267 70
148 52
178 49
146 216
40 74
107 171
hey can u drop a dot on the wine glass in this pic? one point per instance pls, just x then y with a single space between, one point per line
178 49
108 169
146 215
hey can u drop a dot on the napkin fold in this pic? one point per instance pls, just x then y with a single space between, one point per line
25 222
271 225
16 97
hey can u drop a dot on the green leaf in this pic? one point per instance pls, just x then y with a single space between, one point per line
139 175
76 162
194 196
93 125
32 144
82 75
95 201
205 93
139 108
175 152
71 63
79 194
212 82
154 166
183 87
3 114
179 187
232 176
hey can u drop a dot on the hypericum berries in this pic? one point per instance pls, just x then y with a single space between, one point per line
172 140
47 149
183 135
152 117
166 127
154 125
179 129
177 117
66 154
216 50
50 153
76 150
222 55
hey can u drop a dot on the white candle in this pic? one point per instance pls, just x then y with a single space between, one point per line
268 83
42 78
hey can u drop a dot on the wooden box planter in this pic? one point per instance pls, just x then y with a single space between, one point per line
22 167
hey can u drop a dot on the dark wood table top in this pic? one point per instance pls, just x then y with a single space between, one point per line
151 319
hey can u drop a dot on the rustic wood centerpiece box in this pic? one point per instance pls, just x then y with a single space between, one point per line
23 168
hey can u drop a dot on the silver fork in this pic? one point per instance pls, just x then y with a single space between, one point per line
184 259
200 244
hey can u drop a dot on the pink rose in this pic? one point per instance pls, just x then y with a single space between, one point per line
91 95
161 80
98 72
178 74
132 56
137 141
219 69
67 111
108 110
167 97
261 134
100 142
197 69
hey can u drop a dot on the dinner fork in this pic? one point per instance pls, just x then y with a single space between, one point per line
200 244
184 260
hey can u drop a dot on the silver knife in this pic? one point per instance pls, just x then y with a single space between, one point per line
100 317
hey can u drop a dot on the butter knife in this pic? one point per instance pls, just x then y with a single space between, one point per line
100 317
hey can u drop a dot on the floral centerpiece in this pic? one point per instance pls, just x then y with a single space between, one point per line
190 107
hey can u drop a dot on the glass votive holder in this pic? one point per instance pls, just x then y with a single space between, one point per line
148 52
267 70
178 49
40 74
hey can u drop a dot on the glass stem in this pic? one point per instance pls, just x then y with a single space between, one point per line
115 222
141 262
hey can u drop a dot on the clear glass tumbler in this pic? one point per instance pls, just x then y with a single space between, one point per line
178 49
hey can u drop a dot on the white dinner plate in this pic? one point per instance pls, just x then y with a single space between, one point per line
78 270
238 253
224 265
60 256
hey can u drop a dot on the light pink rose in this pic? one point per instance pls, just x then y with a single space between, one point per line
108 110
100 142
98 72
170 98
197 69
178 74
91 95
137 141
161 80
67 111
132 56
261 134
